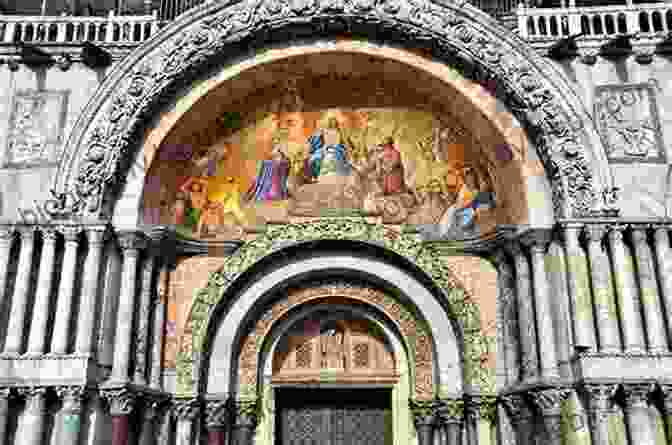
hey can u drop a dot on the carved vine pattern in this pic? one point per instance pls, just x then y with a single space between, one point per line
484 56
414 333
461 307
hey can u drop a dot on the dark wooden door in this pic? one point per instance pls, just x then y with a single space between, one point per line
333 417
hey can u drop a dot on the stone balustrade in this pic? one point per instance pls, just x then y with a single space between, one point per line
644 20
67 30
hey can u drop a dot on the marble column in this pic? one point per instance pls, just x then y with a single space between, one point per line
5 399
34 417
38 327
186 414
159 327
538 241
66 290
142 333
121 403
72 397
521 416
91 285
150 416
549 403
667 410
607 321
578 287
526 319
626 289
653 314
599 399
664 261
217 417
7 234
424 427
17 315
506 300
131 243
637 413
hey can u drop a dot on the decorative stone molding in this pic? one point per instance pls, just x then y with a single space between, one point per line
121 401
72 397
98 151
407 245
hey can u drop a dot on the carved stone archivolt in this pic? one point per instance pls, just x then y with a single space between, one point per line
101 147
418 339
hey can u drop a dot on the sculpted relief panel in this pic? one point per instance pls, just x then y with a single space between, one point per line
36 127
628 121
286 161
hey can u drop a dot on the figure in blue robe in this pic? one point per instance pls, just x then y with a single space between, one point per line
326 159
271 182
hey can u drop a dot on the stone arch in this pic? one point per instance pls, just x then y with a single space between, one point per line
416 337
459 314
102 144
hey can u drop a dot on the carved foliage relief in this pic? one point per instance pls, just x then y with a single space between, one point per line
36 128
627 118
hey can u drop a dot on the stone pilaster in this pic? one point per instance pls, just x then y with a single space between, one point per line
538 242
549 403
664 260
626 289
38 327
599 399
603 297
636 413
17 316
61 337
72 397
186 412
578 287
122 403
7 235
653 314
521 416
6 396
217 420
35 416
131 243
142 333
526 317
89 300
508 319
159 327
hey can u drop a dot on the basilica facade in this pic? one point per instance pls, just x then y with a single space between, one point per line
335 221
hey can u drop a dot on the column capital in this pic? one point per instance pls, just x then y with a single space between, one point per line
517 406
537 239
7 232
595 233
35 399
515 248
637 394
97 235
451 410
186 409
616 231
121 401
639 233
132 241
667 398
549 401
72 396
152 409
49 234
247 412
599 395
70 232
217 414
6 393
27 232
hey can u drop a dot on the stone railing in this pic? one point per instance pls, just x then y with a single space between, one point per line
643 20
65 30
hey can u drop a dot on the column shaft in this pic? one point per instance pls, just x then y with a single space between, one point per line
549 402
158 332
508 317
38 327
89 302
72 408
578 286
149 433
121 402
5 397
667 410
526 322
123 337
454 433
664 261
216 437
142 337
120 430
599 398
624 280
637 414
17 316
66 291
547 344
34 419
653 314
186 412
7 235
216 421
607 322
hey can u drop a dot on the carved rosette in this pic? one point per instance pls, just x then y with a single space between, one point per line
121 401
